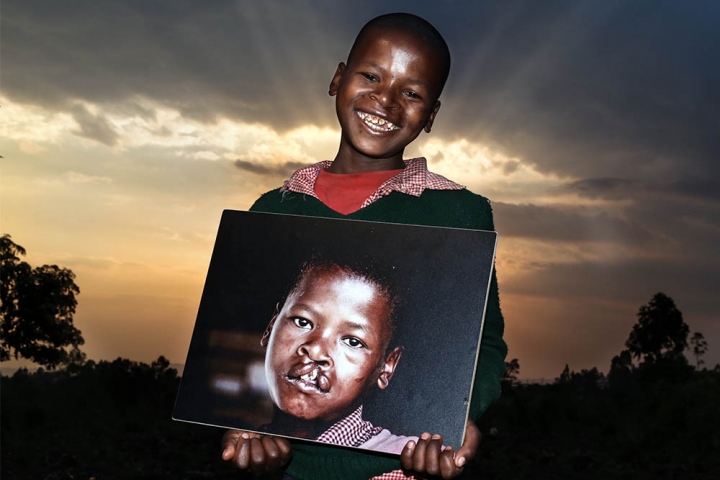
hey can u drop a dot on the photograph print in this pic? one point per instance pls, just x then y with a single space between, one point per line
359 334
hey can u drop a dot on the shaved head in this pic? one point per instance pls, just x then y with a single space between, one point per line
414 26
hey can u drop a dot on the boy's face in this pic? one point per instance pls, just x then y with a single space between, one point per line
327 347
387 94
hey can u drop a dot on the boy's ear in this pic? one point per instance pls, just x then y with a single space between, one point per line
335 82
388 368
268 330
431 117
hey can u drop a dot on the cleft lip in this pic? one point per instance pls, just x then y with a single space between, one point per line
309 377
300 369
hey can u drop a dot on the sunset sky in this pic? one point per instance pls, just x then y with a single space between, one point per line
126 127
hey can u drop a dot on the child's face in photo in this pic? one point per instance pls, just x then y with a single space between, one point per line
387 94
327 347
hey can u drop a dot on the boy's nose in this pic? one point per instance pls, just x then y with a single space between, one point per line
385 97
316 349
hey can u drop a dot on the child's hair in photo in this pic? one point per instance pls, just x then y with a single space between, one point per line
376 274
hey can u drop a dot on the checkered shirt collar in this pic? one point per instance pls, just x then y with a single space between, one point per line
351 431
413 180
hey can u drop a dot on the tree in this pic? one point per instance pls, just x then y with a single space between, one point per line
512 370
621 369
36 310
660 332
700 347
564 375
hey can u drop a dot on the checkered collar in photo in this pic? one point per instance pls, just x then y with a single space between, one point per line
351 431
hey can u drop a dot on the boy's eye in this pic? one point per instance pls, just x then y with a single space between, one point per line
302 323
369 76
412 95
353 342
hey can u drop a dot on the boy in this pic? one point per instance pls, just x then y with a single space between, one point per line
386 95
327 350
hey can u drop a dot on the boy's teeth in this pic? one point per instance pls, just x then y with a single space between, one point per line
376 123
310 377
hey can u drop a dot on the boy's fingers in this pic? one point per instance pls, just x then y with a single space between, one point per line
432 455
470 446
228 452
285 449
242 454
418 458
277 452
257 455
406 456
447 464
228 444
272 452
421 452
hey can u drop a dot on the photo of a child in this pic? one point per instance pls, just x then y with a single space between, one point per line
328 348
306 329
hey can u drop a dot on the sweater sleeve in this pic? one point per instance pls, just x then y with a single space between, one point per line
493 350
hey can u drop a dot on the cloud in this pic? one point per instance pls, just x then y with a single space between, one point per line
557 224
628 280
94 127
585 90
592 126
612 188
487 170
707 189
282 170
229 60
75 177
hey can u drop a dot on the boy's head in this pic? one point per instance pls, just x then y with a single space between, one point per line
327 347
388 91
414 26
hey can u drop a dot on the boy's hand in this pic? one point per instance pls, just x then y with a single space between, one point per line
427 456
256 453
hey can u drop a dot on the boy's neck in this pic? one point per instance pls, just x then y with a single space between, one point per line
349 163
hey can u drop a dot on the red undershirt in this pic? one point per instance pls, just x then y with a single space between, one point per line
346 192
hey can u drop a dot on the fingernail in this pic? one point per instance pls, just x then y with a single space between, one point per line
436 437
425 435
461 461
411 445
245 436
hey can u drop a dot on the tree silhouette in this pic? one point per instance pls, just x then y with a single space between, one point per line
564 375
700 347
660 332
512 370
36 310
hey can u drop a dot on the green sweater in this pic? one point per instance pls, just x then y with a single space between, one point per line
441 208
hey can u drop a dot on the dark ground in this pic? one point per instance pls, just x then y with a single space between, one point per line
111 420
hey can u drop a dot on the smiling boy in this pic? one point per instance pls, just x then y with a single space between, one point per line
387 93
327 351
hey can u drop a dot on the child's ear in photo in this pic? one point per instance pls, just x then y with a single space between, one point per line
388 368
268 330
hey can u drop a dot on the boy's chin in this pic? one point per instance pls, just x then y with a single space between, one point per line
324 416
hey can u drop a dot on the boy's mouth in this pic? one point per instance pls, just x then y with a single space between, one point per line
376 123
309 378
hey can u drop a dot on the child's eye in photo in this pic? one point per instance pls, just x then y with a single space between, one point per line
302 323
370 76
354 342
